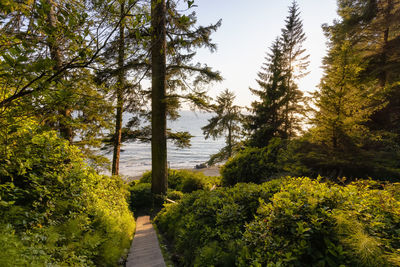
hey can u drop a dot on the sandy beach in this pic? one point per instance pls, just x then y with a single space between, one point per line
209 171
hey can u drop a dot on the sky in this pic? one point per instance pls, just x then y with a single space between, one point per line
248 30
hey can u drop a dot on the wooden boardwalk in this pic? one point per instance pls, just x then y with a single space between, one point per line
145 250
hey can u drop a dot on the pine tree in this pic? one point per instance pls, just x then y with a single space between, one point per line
343 104
296 63
175 78
227 122
158 98
341 143
374 29
268 117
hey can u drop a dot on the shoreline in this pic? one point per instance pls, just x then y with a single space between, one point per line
209 171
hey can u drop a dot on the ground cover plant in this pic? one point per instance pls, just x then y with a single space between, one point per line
289 222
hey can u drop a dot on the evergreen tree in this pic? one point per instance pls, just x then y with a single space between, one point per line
123 56
278 113
344 104
268 117
158 98
374 28
295 66
227 122
342 143
174 77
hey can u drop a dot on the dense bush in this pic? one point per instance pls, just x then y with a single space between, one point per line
179 182
254 165
206 226
312 223
185 181
379 160
174 195
292 222
54 209
141 197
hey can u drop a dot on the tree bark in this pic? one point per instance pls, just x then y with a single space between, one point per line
120 97
56 55
158 97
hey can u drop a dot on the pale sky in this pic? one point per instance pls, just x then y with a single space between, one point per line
247 31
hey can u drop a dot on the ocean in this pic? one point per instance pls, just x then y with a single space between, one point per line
136 157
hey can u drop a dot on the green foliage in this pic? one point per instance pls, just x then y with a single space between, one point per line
291 222
174 195
253 164
277 112
186 181
377 158
141 196
179 182
314 223
355 132
227 122
206 226
59 211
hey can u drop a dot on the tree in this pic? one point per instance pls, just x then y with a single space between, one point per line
344 104
278 112
119 92
295 65
342 143
268 115
174 78
24 27
121 67
227 121
374 29
158 98
47 61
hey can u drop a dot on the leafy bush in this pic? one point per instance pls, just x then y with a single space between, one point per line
206 226
291 222
312 223
185 181
58 211
252 165
174 195
179 182
377 159
141 197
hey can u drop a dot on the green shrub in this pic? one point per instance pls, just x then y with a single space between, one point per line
252 165
307 156
186 181
286 222
146 178
204 223
59 211
141 196
311 223
174 195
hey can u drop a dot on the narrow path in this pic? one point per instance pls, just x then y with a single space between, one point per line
145 250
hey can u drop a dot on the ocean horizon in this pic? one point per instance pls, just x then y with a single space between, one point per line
135 158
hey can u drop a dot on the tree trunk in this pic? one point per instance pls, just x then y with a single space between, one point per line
158 97
120 97
55 52
230 126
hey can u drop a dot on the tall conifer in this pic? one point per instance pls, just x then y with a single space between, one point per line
267 119
295 65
